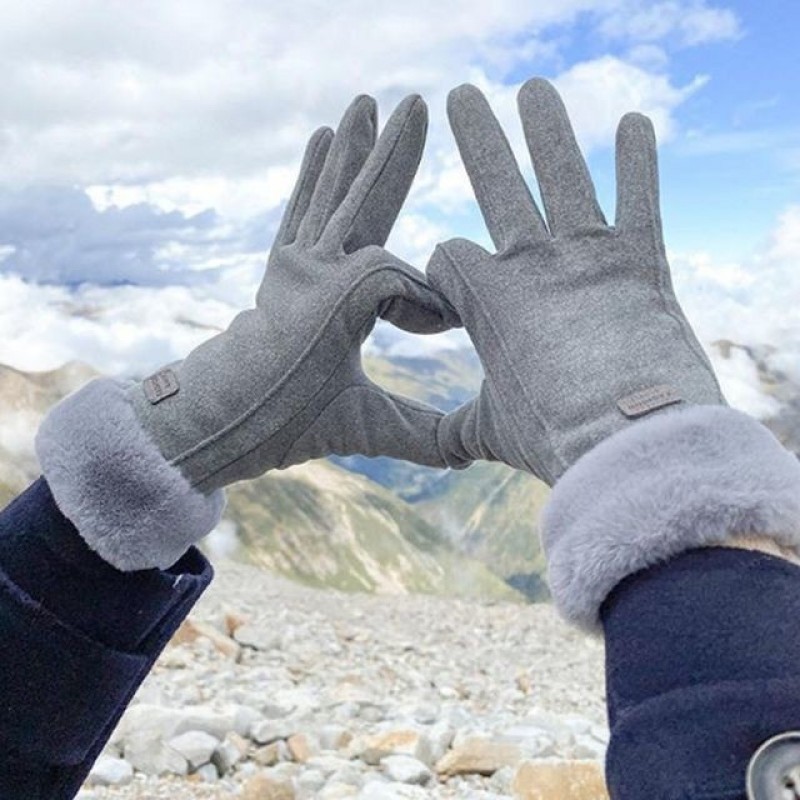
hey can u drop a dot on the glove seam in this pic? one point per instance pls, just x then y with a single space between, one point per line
536 463
322 221
290 372
292 210
243 455
384 166
376 390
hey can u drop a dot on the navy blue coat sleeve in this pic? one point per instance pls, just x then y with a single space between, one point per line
77 638
702 657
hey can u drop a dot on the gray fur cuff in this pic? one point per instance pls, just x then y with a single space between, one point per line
689 478
133 508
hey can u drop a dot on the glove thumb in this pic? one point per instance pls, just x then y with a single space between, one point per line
365 419
470 433
403 297
450 267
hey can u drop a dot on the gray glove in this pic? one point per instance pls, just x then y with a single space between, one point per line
575 321
594 379
284 383
136 467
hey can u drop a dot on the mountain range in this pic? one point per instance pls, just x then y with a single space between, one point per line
372 524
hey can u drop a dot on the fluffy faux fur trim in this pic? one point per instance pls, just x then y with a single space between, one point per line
109 479
688 478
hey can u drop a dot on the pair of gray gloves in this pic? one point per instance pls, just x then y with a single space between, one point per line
582 341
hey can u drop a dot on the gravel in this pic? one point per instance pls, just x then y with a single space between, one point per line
321 694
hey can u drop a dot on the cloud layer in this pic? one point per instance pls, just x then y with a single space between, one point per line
56 235
132 330
208 104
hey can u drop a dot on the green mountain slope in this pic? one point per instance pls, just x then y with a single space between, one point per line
444 379
491 512
488 511
326 527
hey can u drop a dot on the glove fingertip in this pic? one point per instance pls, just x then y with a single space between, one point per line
635 123
460 97
535 88
458 251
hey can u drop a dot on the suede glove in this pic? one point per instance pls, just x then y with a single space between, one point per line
594 379
137 467
575 321
284 383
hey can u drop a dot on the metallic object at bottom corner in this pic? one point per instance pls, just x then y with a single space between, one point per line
774 770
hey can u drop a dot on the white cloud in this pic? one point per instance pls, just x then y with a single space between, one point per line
56 235
188 109
597 94
121 331
131 330
223 541
753 303
738 377
118 93
237 197
207 106
160 232
691 23
17 432
390 341
415 236
784 245
648 56
140 94
741 141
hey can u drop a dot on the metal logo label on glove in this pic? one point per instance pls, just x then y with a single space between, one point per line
161 385
646 400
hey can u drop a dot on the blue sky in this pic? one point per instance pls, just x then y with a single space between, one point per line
738 163
148 149
208 111
735 163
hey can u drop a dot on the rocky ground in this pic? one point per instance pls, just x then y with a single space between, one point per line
273 691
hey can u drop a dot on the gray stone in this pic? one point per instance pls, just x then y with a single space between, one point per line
434 743
257 637
309 782
271 730
405 769
328 764
352 775
244 718
392 791
229 753
277 711
338 791
110 771
208 720
207 773
500 782
196 747
153 756
588 747
334 737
